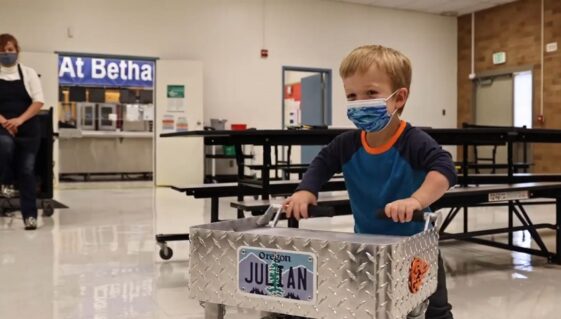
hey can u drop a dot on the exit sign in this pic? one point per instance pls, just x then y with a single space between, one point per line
499 57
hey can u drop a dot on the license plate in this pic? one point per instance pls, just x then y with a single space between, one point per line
279 274
497 197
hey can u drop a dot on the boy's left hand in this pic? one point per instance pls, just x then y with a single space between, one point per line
402 210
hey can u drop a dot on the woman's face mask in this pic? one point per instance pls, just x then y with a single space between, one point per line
8 58
370 115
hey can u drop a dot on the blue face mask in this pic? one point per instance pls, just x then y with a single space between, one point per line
369 115
8 59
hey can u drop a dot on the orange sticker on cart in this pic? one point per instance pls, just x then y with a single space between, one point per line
417 273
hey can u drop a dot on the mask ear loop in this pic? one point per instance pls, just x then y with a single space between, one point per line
389 97
394 113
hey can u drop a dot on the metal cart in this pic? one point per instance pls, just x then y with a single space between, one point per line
318 274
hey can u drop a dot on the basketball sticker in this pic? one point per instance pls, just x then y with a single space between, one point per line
417 273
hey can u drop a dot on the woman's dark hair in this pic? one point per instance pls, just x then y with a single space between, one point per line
5 38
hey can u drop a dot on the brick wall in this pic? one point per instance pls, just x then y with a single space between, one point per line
515 28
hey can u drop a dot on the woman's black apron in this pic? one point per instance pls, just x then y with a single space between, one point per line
14 101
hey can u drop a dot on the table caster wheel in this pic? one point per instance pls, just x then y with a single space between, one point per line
7 212
166 253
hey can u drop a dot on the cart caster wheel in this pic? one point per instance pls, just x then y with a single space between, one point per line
166 253
48 210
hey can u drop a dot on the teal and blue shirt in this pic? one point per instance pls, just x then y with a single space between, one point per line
376 176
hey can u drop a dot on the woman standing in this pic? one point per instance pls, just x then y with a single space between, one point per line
21 98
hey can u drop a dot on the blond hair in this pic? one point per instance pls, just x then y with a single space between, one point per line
396 65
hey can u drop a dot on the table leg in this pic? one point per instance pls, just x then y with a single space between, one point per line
265 172
557 257
510 222
214 209
240 161
213 165
466 228
510 161
465 164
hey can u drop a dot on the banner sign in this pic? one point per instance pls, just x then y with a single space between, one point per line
106 72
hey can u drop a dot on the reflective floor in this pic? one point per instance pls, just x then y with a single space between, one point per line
98 259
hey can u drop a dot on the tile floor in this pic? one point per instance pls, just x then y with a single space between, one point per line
98 260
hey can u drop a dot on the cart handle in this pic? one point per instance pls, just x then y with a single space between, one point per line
418 215
429 218
321 211
274 211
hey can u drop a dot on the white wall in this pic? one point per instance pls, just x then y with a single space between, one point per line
226 35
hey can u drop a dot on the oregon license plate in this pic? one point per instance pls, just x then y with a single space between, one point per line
280 274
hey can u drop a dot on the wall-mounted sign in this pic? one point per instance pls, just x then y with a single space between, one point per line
176 98
182 124
176 91
499 57
106 72
168 123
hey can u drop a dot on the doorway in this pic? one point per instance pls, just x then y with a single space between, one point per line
306 102
504 99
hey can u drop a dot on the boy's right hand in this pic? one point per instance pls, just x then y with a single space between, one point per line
297 205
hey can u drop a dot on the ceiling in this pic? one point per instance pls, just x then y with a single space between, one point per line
444 7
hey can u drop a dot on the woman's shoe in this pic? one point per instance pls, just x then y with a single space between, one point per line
8 191
30 223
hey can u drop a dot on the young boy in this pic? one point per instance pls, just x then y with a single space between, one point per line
387 163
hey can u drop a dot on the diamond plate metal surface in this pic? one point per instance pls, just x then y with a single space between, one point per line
354 279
